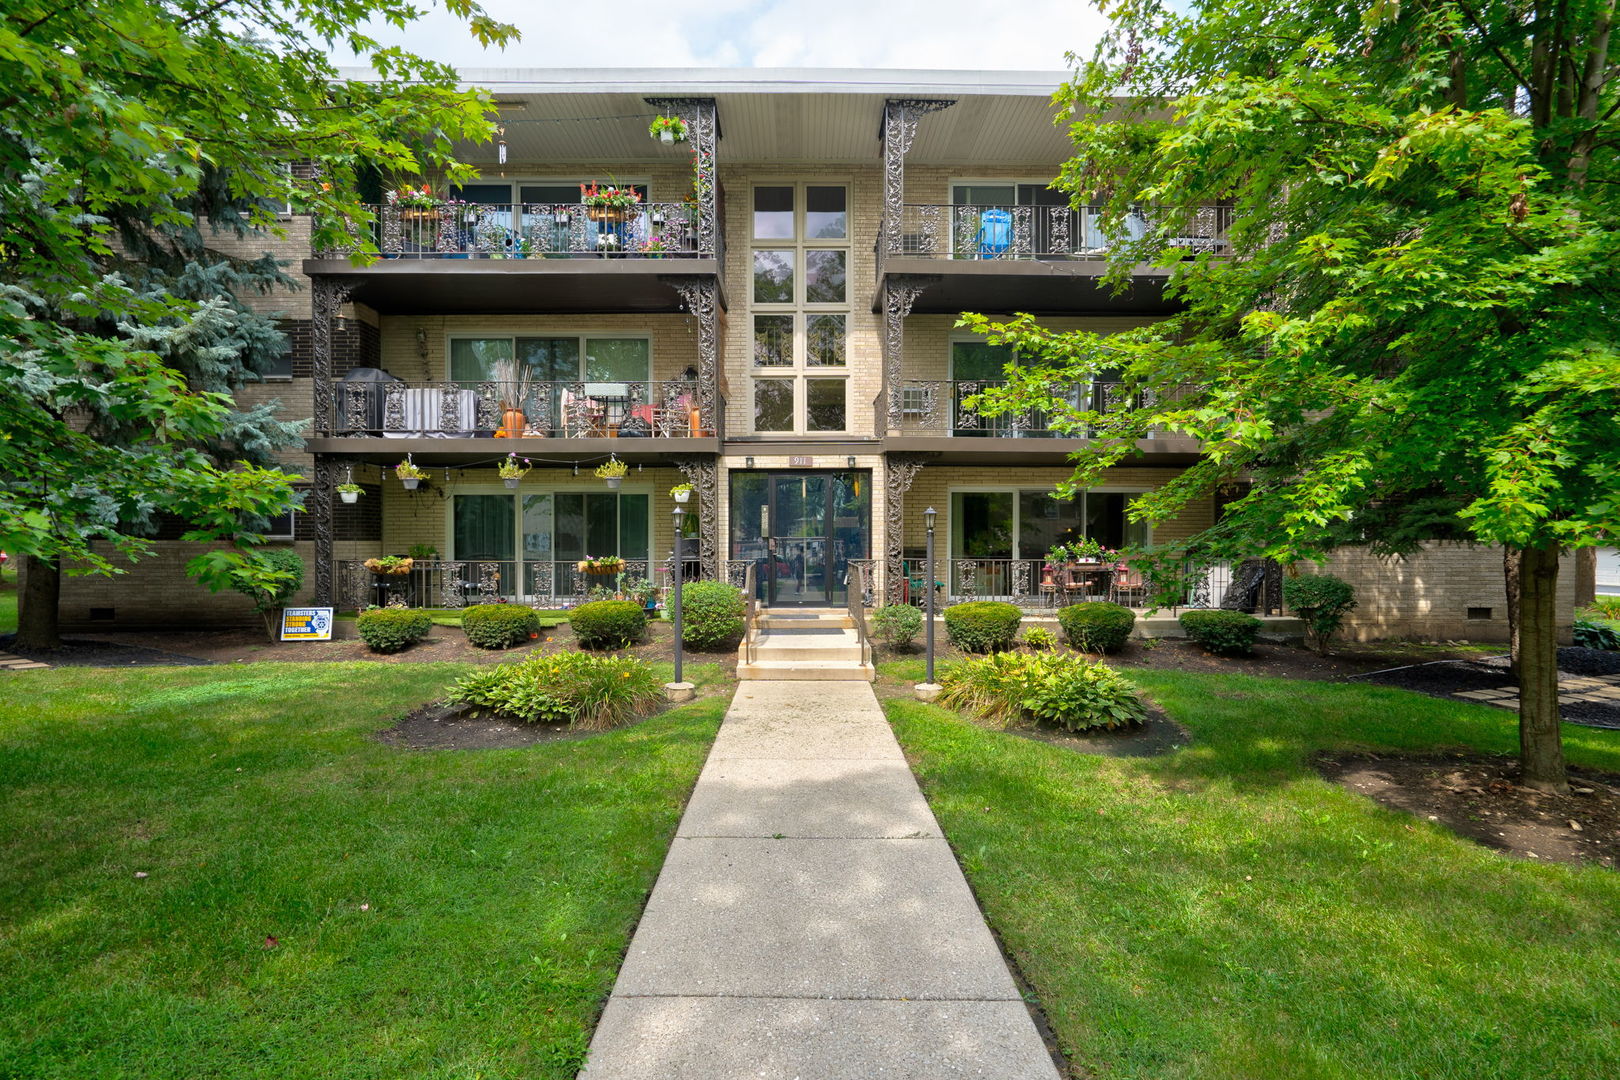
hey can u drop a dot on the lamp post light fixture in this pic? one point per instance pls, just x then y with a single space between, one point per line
679 690
928 689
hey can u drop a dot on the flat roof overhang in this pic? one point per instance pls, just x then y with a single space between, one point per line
1051 287
464 453
999 452
583 286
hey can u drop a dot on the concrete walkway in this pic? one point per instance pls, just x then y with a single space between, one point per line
810 921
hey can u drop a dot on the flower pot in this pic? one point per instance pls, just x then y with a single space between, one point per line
511 481
418 213
613 482
604 571
667 137
410 482
512 424
607 213
682 496
349 496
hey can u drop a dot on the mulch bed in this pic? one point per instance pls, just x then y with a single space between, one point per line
81 652
1489 673
1478 796
1159 735
448 727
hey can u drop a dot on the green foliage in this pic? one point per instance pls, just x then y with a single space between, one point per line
590 693
1606 607
1096 625
982 626
388 630
897 624
608 624
1592 634
1321 601
1070 691
1224 633
712 615
499 626
1040 639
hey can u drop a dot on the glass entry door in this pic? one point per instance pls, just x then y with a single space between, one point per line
801 529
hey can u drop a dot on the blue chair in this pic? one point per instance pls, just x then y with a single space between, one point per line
995 233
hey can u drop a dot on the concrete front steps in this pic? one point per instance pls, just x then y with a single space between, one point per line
806 644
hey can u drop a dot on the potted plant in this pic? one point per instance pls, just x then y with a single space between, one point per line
681 492
410 474
513 469
390 565
656 246
600 566
612 471
512 380
668 129
610 203
350 493
422 552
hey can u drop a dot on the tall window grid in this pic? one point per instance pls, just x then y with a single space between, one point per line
799 304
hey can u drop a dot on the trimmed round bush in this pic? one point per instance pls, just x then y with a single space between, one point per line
897 624
388 630
1070 691
608 624
1321 601
712 615
982 626
499 626
1097 626
1224 633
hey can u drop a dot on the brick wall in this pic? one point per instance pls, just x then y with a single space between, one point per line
1428 595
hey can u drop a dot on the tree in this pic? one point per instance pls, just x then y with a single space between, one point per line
1412 332
135 135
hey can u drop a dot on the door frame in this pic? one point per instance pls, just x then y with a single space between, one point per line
828 536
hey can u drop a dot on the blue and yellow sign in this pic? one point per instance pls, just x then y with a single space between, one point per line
306 624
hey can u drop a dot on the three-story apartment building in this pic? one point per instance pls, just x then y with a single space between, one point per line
768 316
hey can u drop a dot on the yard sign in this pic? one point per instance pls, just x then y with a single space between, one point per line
306 624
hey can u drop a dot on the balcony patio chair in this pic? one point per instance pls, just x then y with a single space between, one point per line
995 233
1128 585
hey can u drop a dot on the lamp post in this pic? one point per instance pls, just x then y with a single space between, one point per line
679 690
928 690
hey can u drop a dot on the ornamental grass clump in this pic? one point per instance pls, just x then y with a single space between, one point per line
1224 633
897 625
1068 691
982 626
499 626
608 624
1097 626
388 630
712 614
588 693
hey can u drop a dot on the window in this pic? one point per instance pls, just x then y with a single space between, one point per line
280 366
556 527
570 358
800 298
1027 523
283 526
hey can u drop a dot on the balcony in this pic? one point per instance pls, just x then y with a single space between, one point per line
938 415
480 259
1034 258
543 583
623 417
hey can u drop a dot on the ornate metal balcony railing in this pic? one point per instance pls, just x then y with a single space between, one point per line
541 231
572 409
1041 583
551 583
1042 232
944 407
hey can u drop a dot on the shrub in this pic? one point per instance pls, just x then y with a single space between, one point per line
388 630
1078 694
1097 626
270 578
499 626
1590 634
590 693
1321 601
1224 633
1606 607
608 624
711 615
897 624
1040 639
982 626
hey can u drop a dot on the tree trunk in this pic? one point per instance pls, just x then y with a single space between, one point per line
1541 749
1510 573
37 604
1585 577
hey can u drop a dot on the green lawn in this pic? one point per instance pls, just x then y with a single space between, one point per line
438 914
1221 912
8 610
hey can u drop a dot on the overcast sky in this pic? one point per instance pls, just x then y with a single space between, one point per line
1028 35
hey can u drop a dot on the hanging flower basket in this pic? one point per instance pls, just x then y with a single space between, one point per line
390 565
668 129
606 566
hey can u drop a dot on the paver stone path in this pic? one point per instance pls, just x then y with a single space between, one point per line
810 921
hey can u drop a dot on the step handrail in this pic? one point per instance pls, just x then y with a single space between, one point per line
750 616
854 601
